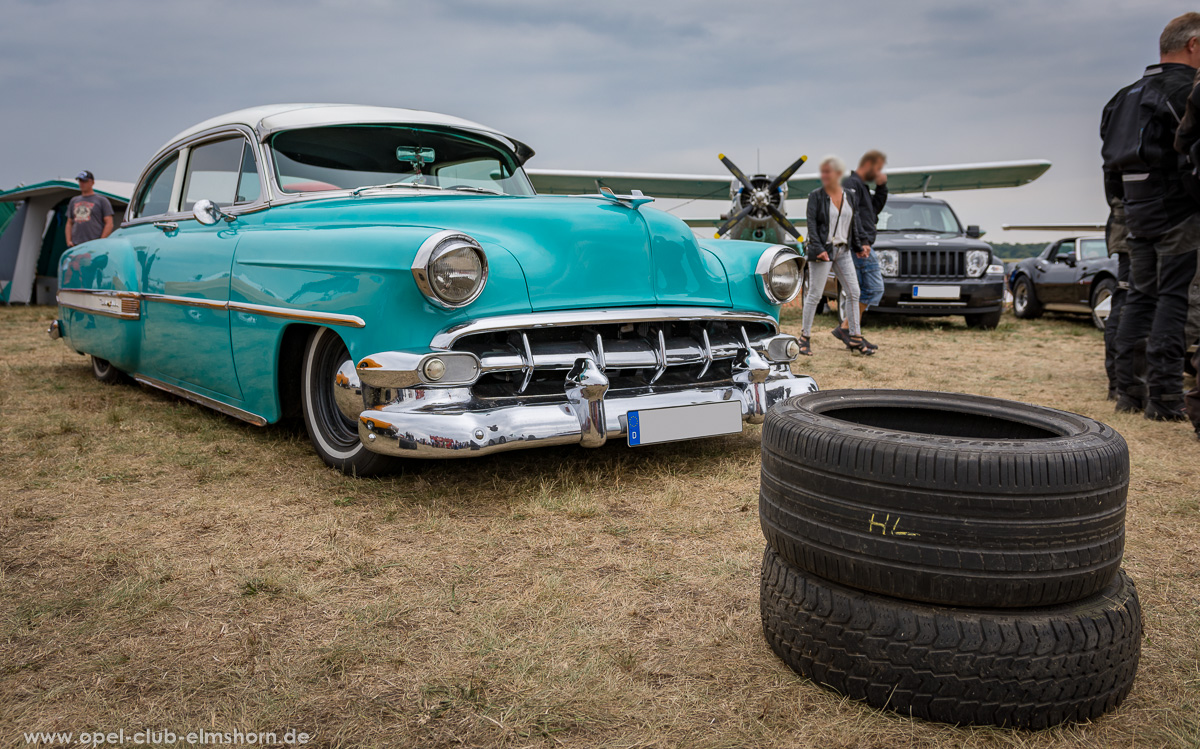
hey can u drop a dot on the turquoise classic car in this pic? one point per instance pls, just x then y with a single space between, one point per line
392 277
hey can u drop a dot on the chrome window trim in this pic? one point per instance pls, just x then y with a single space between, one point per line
567 318
203 400
183 148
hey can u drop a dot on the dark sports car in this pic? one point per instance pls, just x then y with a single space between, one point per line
1071 275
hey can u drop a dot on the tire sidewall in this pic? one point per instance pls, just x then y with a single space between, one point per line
324 442
1111 286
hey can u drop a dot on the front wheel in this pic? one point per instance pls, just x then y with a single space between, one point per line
104 371
331 400
984 320
1103 293
1025 302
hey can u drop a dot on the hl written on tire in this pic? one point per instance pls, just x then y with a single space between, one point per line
950 499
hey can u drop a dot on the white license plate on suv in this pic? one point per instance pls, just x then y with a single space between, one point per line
936 292
656 425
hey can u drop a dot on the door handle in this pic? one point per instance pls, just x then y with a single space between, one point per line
166 226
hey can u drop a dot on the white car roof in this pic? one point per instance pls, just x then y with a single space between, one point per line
270 118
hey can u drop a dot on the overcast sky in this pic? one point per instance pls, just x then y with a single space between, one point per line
662 85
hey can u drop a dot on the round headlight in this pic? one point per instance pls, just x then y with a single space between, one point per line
450 269
779 273
977 262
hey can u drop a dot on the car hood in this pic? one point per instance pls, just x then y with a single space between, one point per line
917 241
574 252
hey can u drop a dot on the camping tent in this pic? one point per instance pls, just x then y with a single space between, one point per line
32 219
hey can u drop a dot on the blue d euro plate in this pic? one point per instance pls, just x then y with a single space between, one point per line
652 426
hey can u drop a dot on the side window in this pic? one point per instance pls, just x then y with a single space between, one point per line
155 198
249 189
1094 249
212 173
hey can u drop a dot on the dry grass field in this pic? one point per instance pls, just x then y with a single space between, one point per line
165 566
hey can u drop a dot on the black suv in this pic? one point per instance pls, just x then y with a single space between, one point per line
932 266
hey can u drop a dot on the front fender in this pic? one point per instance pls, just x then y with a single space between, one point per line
364 271
739 259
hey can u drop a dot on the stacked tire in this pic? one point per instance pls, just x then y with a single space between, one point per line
950 557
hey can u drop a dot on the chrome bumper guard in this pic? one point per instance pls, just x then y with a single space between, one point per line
411 414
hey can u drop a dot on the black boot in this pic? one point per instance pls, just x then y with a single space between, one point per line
1131 400
1165 407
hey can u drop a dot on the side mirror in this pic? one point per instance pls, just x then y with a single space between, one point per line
1068 259
208 213
974 232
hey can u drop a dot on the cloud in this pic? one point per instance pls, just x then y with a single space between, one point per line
651 86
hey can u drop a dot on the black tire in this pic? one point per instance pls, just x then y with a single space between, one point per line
984 320
950 499
334 435
1025 302
1103 290
104 371
1029 668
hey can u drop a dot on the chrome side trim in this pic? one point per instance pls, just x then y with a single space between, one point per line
120 304
565 318
203 400
329 318
187 301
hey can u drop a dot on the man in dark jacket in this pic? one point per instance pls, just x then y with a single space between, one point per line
868 207
1163 221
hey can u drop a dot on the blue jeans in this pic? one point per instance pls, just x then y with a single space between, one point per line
870 279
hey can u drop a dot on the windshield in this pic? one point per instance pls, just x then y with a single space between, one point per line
919 217
349 157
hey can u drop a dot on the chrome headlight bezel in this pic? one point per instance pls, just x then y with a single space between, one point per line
977 262
772 259
437 246
889 262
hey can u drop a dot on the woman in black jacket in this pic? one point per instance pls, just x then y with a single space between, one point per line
834 231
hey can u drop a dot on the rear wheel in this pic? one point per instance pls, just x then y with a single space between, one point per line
1025 302
984 320
1101 294
105 372
331 399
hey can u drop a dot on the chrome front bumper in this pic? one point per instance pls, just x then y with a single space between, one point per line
449 424
425 404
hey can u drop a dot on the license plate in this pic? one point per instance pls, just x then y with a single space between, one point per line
936 292
656 425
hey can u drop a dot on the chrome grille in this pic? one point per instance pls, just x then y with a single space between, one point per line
534 361
933 263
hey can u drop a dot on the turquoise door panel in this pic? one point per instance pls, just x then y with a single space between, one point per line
188 343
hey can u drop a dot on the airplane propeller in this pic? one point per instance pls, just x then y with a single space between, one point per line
760 198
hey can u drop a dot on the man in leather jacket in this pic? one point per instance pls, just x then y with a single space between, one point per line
1163 221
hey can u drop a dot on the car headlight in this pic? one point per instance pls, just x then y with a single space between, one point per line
779 271
889 262
450 269
977 262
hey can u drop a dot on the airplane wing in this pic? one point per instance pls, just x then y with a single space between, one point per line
683 186
944 178
1054 227
716 186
